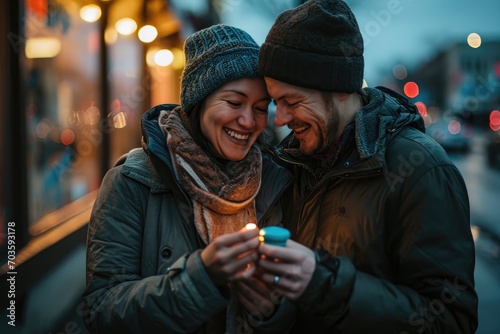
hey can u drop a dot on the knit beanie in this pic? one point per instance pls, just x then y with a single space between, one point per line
215 56
316 45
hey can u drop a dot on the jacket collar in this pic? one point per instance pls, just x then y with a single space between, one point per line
153 139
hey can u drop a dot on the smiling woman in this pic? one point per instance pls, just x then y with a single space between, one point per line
234 116
189 192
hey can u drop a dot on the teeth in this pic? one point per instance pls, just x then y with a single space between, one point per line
300 130
235 135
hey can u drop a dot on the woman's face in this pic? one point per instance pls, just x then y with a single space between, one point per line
234 115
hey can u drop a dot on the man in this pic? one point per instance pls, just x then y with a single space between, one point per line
378 213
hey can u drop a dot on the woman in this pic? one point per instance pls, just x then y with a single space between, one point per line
166 237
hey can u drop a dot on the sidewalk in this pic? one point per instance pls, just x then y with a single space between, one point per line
487 275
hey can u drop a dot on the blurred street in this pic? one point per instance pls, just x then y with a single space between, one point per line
483 183
79 74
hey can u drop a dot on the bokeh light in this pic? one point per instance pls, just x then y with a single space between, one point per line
454 127
150 56
126 26
110 36
42 129
495 120
179 62
400 72
67 137
422 108
42 47
411 89
147 34
474 40
90 13
164 57
91 115
120 120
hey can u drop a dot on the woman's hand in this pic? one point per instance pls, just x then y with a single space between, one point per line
231 256
288 269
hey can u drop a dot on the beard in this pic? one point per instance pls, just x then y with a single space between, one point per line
328 132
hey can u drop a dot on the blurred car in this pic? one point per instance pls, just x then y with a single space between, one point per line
452 134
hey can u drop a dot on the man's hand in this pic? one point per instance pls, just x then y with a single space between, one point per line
287 269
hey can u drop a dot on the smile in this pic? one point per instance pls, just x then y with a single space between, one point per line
236 135
301 129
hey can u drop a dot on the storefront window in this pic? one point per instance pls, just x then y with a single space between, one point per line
61 80
66 124
72 135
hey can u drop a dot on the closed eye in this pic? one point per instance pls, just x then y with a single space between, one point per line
233 103
292 104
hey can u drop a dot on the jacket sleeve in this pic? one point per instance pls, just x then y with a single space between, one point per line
432 250
117 298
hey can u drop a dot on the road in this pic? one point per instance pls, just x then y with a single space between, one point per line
483 183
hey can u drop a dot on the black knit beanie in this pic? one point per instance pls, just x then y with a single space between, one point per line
317 45
215 56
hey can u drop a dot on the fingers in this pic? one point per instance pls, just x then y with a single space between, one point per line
237 237
242 273
288 269
286 254
256 297
231 256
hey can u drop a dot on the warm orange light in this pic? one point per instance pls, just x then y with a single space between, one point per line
67 137
250 226
126 26
148 33
411 89
474 40
42 47
164 57
90 13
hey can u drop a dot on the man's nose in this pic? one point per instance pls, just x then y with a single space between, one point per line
282 117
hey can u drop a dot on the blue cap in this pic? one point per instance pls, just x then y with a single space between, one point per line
275 235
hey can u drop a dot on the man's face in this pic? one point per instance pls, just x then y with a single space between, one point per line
314 122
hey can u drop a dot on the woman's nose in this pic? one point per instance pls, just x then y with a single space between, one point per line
247 118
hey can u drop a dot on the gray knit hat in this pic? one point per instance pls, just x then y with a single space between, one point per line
317 45
215 56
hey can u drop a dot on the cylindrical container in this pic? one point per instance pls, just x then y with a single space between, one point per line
274 235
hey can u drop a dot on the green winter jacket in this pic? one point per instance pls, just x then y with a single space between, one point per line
392 219
144 271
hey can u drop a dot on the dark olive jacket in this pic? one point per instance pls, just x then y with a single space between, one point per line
144 271
392 218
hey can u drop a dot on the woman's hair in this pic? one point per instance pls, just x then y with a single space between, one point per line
195 124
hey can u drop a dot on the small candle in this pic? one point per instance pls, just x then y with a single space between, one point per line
274 235
250 226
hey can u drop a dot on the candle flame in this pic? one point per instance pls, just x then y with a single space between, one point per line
250 226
